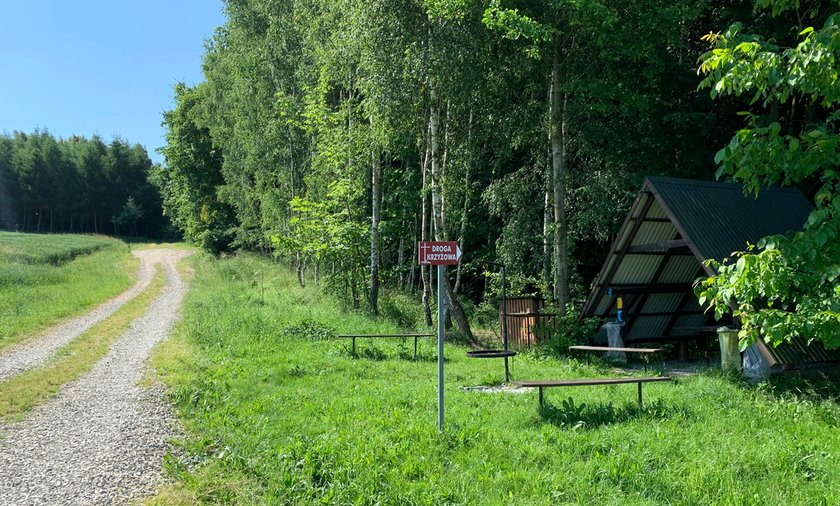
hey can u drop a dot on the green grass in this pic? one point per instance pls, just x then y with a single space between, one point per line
279 416
21 393
51 249
44 278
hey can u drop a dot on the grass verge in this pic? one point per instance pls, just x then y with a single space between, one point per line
281 414
36 290
21 393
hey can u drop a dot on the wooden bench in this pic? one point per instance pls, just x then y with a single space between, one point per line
542 384
645 351
353 337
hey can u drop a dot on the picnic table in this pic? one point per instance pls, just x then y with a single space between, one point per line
353 337
644 351
543 384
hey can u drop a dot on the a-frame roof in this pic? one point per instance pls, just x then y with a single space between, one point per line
673 226
718 218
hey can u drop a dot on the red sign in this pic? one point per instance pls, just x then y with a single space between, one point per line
439 253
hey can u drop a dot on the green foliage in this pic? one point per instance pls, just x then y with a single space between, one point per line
75 185
783 287
401 309
307 329
129 215
298 421
567 330
189 181
302 99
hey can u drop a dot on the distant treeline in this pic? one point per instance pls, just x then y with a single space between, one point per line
49 184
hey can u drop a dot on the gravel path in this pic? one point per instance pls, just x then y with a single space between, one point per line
28 354
102 440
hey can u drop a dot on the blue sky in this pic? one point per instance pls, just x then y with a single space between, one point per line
94 66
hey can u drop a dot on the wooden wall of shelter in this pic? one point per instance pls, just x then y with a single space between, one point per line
525 318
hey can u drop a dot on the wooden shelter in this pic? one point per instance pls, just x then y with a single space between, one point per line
524 318
672 228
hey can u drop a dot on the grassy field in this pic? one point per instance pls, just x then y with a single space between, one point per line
280 415
44 278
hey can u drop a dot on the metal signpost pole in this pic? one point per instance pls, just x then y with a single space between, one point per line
440 253
440 302
504 322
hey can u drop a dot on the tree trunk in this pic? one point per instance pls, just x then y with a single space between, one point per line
401 262
465 209
412 269
427 310
376 188
354 289
558 165
547 215
440 225
299 270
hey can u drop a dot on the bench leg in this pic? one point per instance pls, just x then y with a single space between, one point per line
353 352
415 348
640 393
542 401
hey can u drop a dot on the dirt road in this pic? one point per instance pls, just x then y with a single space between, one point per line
103 438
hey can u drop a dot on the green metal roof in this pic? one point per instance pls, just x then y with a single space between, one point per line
718 218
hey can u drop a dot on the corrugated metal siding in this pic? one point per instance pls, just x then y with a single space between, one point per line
798 352
603 305
636 269
648 326
680 269
656 212
653 231
661 303
685 321
692 305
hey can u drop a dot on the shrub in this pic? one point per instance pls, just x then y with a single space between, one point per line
401 309
568 330
307 329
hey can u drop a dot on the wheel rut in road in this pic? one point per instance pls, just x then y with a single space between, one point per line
103 438
30 353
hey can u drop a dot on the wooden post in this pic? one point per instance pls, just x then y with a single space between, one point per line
640 394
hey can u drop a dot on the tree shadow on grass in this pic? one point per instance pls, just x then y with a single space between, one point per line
814 384
585 416
375 353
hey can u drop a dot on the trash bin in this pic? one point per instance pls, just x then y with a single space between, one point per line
614 341
730 354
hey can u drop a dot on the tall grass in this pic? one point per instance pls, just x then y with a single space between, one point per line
281 414
44 278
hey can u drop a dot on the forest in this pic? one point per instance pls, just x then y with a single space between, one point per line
336 135
77 185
